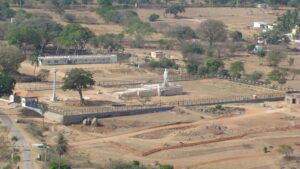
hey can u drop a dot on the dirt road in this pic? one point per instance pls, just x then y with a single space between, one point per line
26 160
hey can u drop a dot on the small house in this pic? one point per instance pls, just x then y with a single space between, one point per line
157 54
293 97
25 98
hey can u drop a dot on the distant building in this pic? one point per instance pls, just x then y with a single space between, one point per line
81 59
263 26
293 97
157 54
261 6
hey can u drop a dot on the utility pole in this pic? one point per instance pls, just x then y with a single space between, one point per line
54 98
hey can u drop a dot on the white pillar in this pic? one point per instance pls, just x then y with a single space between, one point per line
158 90
54 87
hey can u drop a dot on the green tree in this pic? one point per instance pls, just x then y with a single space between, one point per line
153 17
23 35
78 79
175 9
236 36
214 65
139 30
286 22
74 36
182 33
61 147
108 42
286 150
236 68
255 76
278 76
58 6
212 31
191 48
275 56
10 59
7 85
6 12
47 29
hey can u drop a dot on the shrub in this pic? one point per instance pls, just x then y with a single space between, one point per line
55 165
182 33
16 158
69 17
153 17
166 166
192 48
278 76
255 76
236 36
166 44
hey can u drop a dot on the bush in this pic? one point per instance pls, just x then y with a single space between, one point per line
192 48
55 165
16 158
236 36
255 76
153 17
182 33
70 18
166 166
166 44
278 76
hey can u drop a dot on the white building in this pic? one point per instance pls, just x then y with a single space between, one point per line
81 59
157 54
263 26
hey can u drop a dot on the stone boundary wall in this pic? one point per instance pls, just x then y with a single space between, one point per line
71 119
175 78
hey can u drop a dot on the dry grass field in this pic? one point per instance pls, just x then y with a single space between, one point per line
235 18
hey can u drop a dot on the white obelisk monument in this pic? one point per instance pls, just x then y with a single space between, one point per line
53 98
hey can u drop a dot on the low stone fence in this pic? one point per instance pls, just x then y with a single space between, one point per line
228 100
175 78
37 86
77 116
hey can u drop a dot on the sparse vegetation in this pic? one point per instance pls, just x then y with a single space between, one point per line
153 17
286 150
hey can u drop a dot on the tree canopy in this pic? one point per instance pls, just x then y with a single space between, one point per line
175 9
7 84
236 68
78 79
182 32
10 59
5 11
278 76
212 31
108 43
23 35
74 36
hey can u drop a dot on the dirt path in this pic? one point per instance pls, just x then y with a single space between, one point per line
26 158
